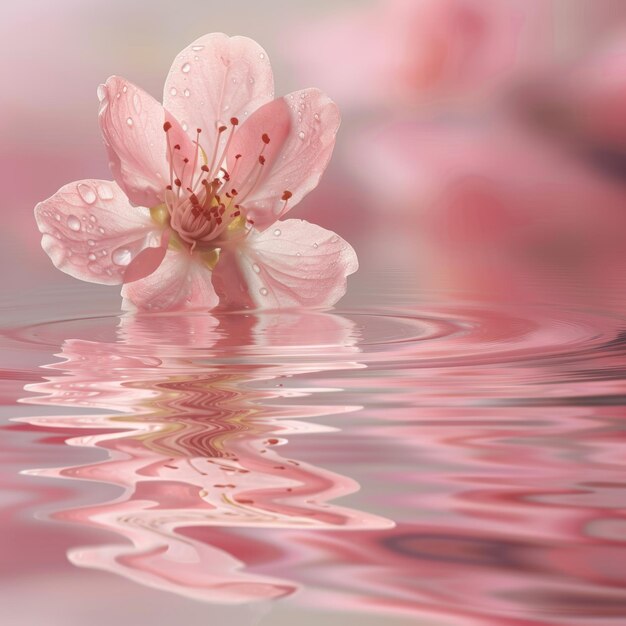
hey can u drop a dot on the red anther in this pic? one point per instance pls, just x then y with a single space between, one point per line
177 146
286 195
198 130
169 187
219 220
194 199
222 209
195 212
266 138
205 168
236 214
250 221
261 159
234 121
185 160
233 192
177 182
221 129
228 195
237 156
167 126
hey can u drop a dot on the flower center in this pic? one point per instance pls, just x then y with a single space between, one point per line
204 206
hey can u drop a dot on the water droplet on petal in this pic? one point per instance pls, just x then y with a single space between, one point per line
301 135
263 291
256 268
197 48
173 91
137 103
277 232
315 245
187 93
101 92
298 254
86 192
185 68
317 117
105 192
91 242
73 223
101 230
121 256
184 126
92 218
334 239
262 55
124 88
92 256
129 121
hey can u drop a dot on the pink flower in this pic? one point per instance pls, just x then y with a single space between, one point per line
200 182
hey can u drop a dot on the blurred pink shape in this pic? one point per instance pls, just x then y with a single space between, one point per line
494 208
404 51
212 189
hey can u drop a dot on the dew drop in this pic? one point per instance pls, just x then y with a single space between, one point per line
105 192
124 88
185 68
256 268
129 121
334 240
101 92
173 91
137 103
57 217
263 291
101 230
317 117
315 245
298 254
197 48
196 58
73 223
184 126
121 256
301 135
277 232
86 193
251 80
187 93
91 242
262 55
92 256
92 219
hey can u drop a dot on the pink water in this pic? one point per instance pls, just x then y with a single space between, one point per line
428 461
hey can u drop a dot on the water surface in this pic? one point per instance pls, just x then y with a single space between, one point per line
434 460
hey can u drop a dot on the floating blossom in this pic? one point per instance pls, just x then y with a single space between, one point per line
193 217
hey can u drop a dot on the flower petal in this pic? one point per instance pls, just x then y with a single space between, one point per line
302 128
180 282
132 127
91 232
294 264
214 79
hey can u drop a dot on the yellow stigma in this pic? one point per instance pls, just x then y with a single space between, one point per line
160 214
210 257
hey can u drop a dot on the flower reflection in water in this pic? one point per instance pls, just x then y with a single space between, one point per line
196 444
